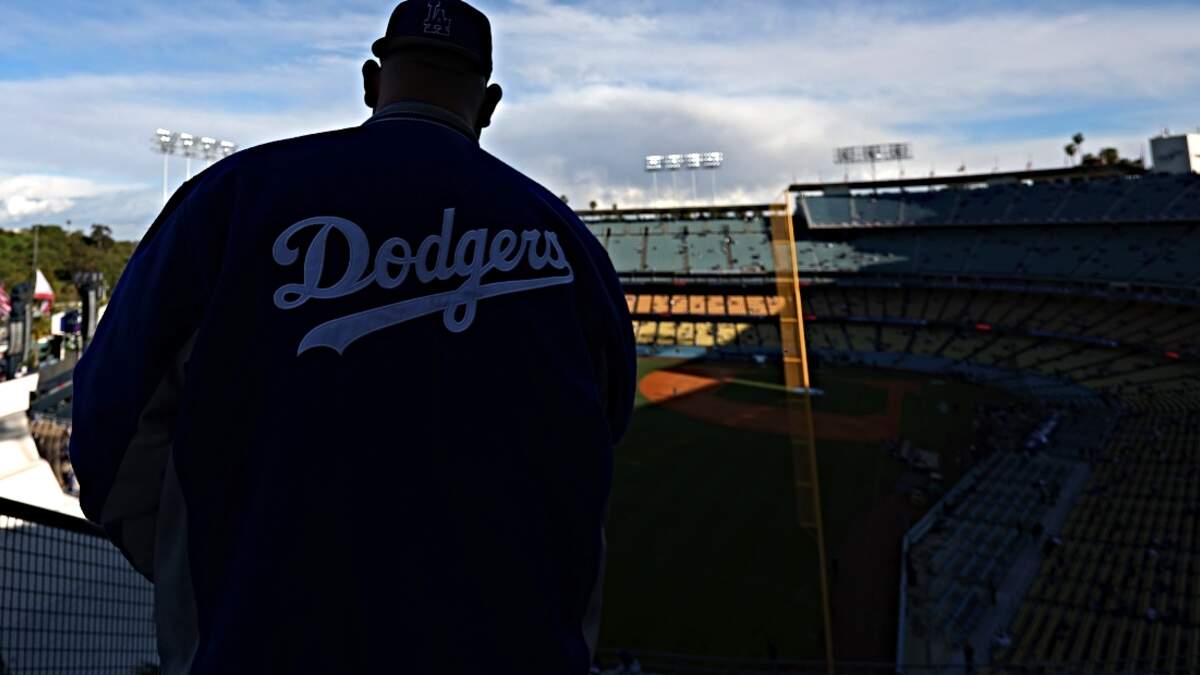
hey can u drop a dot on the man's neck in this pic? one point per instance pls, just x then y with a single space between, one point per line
429 101
400 108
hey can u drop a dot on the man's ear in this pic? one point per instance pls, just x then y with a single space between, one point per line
491 99
371 72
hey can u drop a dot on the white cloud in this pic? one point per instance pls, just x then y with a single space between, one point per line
857 54
592 87
20 206
24 198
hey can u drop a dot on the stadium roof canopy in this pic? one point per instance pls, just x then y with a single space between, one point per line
1068 173
675 212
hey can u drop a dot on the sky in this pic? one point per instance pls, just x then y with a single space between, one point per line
591 87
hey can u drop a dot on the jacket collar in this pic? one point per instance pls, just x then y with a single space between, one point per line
423 112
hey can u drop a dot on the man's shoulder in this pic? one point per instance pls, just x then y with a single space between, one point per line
263 159
288 149
510 177
215 185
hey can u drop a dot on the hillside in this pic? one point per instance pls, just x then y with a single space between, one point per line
61 254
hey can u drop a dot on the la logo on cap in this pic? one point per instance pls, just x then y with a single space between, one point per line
436 21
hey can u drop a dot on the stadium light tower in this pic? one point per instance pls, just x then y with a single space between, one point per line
870 154
187 143
168 142
208 149
165 142
693 162
673 164
713 161
654 164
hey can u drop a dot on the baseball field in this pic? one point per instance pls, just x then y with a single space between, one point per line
706 555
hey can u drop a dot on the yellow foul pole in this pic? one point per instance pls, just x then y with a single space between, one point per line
800 417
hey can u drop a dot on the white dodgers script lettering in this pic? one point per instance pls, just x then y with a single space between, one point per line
435 259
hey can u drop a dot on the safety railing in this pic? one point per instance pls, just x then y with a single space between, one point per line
664 663
69 601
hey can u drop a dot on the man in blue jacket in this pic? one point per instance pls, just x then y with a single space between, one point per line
353 403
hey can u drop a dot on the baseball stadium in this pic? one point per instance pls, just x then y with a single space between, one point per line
1000 441
913 425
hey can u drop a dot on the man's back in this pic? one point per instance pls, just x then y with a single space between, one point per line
406 366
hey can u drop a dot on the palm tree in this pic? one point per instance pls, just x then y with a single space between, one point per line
1071 149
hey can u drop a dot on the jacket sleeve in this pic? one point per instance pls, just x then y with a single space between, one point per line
616 351
620 352
134 364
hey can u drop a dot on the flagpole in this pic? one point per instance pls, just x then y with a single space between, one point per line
33 286
28 318
35 252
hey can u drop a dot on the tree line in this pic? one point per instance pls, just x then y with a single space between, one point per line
61 254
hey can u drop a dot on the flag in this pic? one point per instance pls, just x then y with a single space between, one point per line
42 291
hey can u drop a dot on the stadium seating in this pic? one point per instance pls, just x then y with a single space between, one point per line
751 252
732 303
732 337
625 250
1149 198
709 251
1122 587
1161 327
1150 254
980 530
1051 232
664 253
687 246
1123 353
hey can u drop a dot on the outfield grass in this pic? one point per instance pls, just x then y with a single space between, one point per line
703 548
705 554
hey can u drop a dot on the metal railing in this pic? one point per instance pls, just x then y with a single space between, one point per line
69 601
665 663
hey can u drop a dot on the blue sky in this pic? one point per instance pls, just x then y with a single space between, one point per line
591 87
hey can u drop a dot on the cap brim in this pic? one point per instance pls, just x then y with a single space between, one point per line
387 45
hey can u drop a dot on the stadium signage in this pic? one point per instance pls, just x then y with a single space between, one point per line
474 256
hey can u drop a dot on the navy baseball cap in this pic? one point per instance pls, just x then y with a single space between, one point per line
451 25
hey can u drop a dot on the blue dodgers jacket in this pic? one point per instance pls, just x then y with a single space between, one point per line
352 408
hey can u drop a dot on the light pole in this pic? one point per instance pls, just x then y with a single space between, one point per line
226 148
693 161
674 163
713 161
208 149
654 164
188 143
165 142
